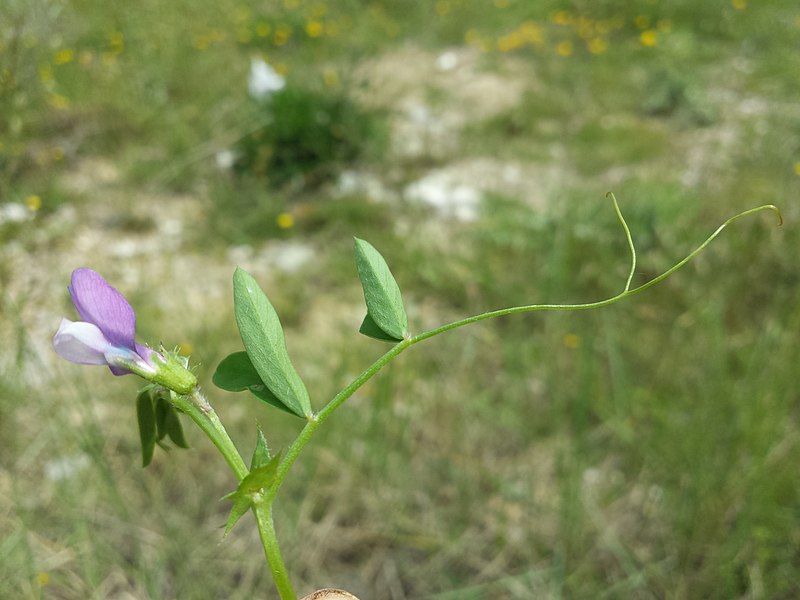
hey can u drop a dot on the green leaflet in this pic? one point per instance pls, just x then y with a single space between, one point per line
371 329
263 339
174 429
381 293
158 419
236 373
146 416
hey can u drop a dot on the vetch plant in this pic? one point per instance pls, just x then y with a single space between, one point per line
105 336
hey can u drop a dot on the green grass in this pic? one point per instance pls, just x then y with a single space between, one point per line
647 450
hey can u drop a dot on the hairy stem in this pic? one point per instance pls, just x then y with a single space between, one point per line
201 412
262 509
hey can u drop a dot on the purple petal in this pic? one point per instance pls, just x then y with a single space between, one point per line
146 353
81 343
119 371
139 357
102 305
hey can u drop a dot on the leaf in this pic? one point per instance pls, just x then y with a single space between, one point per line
263 339
241 504
261 477
146 416
162 408
381 292
174 429
262 393
370 329
236 373
261 454
255 482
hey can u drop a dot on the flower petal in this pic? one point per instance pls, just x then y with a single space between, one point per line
140 358
81 343
146 353
102 305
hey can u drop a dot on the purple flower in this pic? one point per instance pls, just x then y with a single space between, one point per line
105 334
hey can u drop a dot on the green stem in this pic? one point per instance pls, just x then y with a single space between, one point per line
201 412
318 419
262 509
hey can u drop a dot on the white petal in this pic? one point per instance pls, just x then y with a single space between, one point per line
81 343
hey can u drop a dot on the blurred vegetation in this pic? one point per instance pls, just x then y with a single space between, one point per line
647 450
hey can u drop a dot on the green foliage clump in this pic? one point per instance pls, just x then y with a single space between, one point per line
308 136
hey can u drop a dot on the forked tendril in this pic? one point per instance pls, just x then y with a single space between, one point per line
628 236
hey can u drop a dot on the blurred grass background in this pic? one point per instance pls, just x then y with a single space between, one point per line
648 450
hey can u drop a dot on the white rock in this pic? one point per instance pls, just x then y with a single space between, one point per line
14 212
449 198
447 61
224 159
65 467
264 80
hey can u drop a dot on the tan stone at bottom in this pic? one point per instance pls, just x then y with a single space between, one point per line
330 594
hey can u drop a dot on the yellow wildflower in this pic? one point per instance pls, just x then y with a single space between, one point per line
284 220
739 4
572 341
597 45
33 202
648 38
330 77
797 168
531 33
564 48
64 56
314 29
116 39
282 35
561 17
509 42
